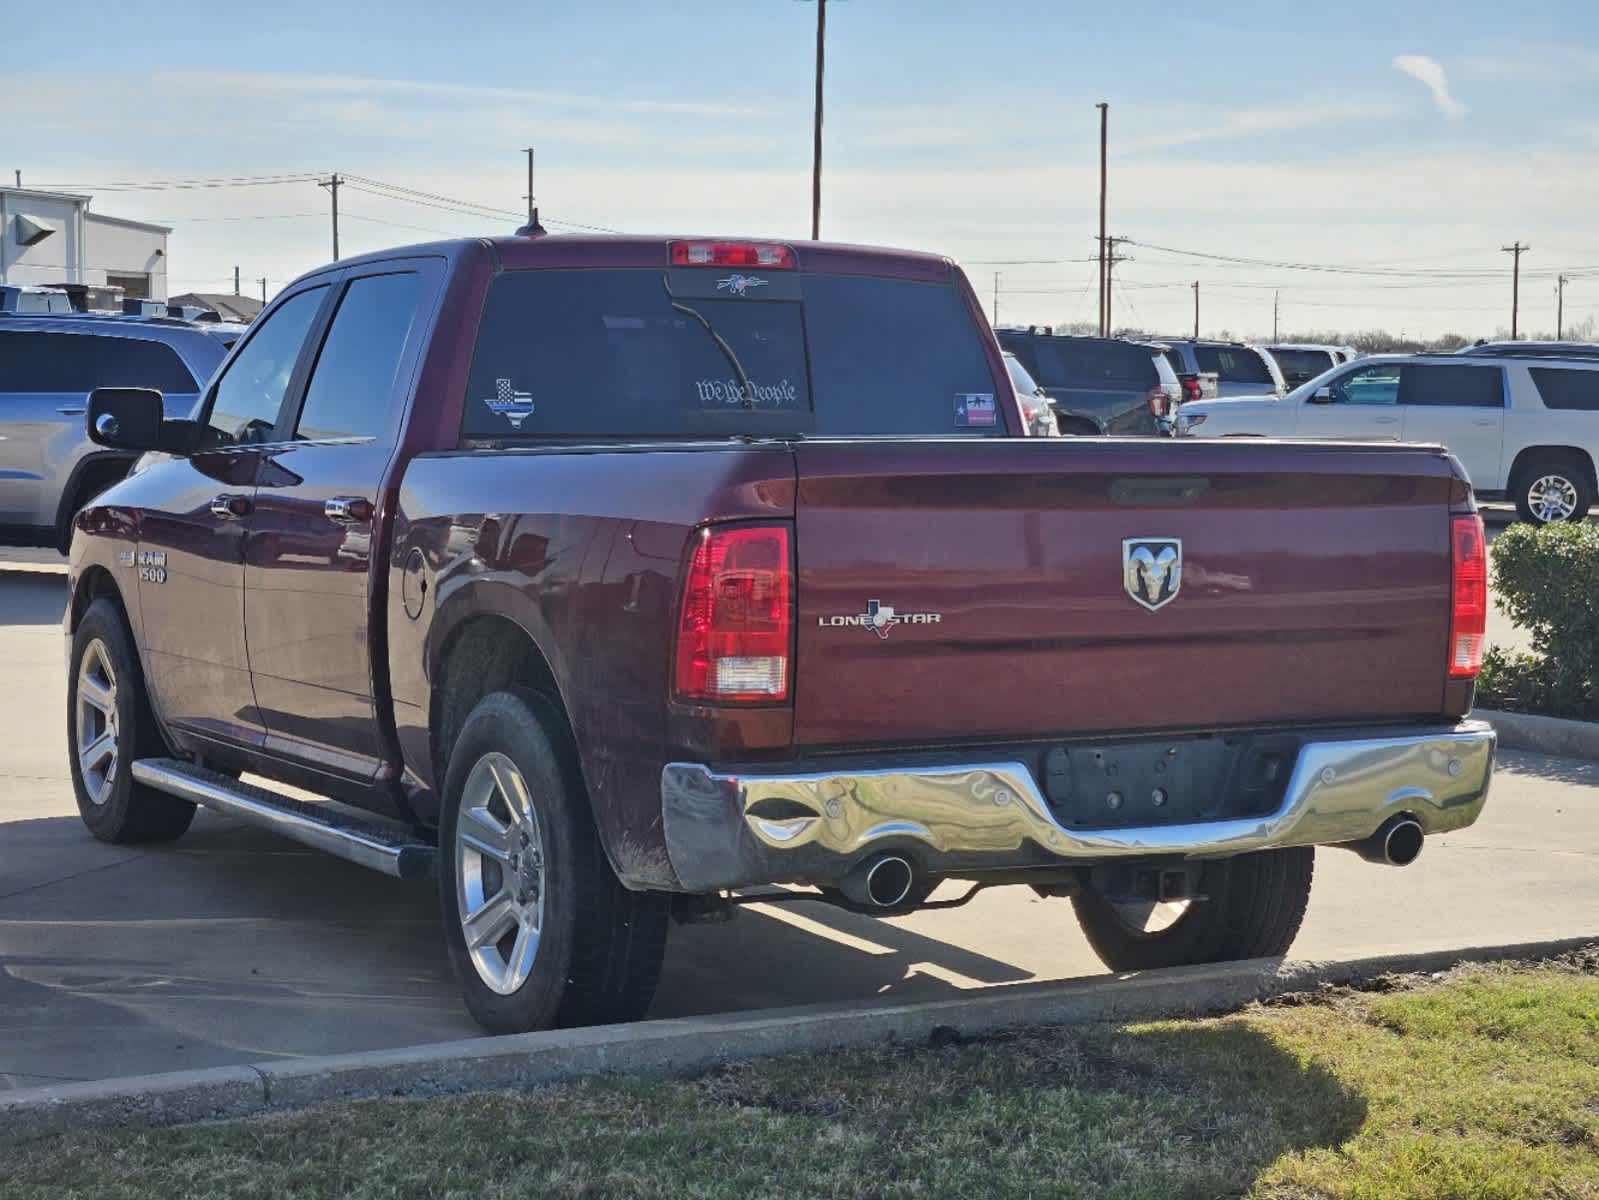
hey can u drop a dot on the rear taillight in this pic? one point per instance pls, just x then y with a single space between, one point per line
735 628
1468 607
1190 390
1158 401
732 254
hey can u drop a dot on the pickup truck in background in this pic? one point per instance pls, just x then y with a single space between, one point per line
607 578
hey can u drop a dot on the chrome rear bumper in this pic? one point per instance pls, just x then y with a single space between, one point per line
727 830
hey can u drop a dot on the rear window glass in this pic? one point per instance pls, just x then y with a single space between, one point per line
1175 358
1299 366
1561 387
630 353
1454 387
1233 364
1069 364
79 363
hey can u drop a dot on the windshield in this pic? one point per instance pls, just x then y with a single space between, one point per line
694 351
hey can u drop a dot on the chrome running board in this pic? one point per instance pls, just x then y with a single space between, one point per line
390 849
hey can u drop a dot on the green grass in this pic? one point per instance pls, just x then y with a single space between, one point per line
1480 1086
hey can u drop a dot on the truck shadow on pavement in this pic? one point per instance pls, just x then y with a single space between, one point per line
233 946
1575 771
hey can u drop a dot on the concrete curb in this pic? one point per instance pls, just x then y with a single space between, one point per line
689 1044
1543 735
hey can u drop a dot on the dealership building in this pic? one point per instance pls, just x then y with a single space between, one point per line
53 238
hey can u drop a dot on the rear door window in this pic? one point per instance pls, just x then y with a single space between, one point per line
1565 387
1107 366
1175 358
692 352
1234 364
135 362
1454 386
77 363
351 392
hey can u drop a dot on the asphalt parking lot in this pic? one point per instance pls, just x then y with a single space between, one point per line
234 946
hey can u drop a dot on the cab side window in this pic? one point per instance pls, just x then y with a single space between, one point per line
351 393
248 397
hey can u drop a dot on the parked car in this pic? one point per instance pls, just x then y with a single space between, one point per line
15 298
613 575
48 366
1531 350
1301 362
1098 385
1526 429
1240 369
1040 417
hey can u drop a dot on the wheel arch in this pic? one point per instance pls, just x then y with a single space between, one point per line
94 582
1528 455
109 465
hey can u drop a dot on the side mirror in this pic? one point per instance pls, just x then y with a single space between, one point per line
126 418
1322 395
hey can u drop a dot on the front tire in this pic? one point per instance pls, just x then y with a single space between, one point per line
1253 909
1550 489
540 931
109 724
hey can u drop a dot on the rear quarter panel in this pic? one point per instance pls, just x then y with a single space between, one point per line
581 548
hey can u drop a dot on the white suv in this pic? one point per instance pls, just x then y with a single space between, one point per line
1523 428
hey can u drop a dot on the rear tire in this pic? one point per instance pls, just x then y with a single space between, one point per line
540 931
1255 904
109 725
1553 487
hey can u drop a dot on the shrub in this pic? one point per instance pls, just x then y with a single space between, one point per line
1547 581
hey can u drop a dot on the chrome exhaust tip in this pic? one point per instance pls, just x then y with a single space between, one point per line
1396 844
882 882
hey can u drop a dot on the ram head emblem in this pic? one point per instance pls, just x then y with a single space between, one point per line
1152 570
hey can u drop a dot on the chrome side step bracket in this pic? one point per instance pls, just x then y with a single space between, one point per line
371 843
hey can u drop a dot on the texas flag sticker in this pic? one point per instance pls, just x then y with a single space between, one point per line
975 408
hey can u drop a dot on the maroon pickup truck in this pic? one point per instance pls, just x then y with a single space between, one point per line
615 578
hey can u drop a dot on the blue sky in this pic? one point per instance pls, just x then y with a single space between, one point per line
1411 138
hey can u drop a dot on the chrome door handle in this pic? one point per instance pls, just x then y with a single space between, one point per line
1385 420
348 510
72 410
1488 421
231 507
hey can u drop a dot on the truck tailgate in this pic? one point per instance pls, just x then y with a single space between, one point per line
979 590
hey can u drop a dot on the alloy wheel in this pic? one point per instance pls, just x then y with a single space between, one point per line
96 700
1552 498
499 873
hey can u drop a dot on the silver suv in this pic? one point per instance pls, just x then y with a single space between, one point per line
48 366
1240 369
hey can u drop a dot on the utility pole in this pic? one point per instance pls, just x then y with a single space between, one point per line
816 160
996 297
236 291
1196 310
1560 307
263 289
1275 296
1515 286
1104 266
333 188
1111 259
19 176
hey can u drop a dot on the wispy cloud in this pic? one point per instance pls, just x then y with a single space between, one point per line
1430 73
1230 126
270 83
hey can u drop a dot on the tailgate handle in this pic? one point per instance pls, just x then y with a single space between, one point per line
1176 490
